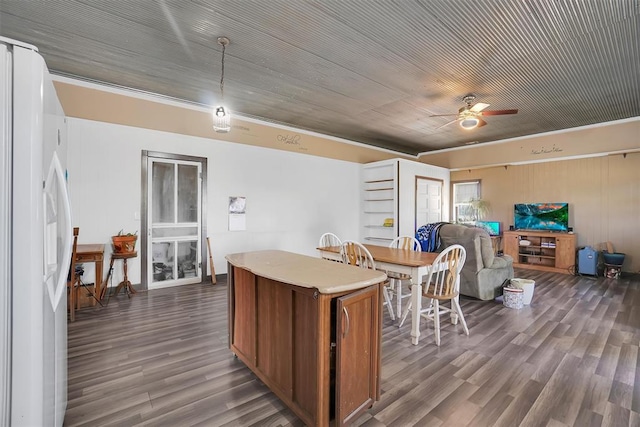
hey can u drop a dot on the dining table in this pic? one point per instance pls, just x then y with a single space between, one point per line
415 264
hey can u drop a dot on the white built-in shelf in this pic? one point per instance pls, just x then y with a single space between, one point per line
379 198
378 238
378 180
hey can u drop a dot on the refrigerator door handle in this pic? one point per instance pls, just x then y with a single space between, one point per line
57 286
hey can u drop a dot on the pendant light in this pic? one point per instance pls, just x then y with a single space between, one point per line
221 116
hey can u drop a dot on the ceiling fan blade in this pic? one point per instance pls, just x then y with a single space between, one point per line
442 115
479 107
447 124
498 112
481 122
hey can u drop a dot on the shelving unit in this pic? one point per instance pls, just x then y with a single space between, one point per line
546 251
400 191
380 202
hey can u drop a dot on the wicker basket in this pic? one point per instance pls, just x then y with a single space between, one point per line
513 298
527 286
124 244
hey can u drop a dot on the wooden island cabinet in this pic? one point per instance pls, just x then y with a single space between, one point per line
310 329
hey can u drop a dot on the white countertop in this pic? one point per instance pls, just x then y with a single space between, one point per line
327 277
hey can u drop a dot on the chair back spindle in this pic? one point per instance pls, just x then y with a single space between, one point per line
407 243
444 283
354 253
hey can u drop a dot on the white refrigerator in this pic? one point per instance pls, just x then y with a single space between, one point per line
35 241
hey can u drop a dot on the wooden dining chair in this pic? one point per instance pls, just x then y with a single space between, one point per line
443 284
328 240
407 243
73 278
355 253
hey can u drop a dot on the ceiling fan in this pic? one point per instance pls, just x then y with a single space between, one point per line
469 115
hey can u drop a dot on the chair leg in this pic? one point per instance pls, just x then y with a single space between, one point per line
453 313
72 303
436 320
407 309
456 304
387 302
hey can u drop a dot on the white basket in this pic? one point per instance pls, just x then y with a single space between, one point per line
513 298
527 286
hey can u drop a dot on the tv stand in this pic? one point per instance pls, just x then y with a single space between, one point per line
546 251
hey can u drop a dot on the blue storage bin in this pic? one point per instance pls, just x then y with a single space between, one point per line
588 261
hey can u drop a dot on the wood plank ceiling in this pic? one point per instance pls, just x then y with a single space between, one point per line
371 71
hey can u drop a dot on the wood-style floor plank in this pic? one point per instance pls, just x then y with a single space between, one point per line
571 358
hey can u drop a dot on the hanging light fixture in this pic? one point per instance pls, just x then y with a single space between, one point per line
221 116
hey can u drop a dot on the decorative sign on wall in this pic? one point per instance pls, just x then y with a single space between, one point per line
292 141
237 213
546 150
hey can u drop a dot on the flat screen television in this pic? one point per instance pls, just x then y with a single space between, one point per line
541 216
492 227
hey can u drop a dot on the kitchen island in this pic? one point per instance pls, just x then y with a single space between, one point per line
310 329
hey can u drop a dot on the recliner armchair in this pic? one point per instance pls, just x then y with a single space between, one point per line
483 273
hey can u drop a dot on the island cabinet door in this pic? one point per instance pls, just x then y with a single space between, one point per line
242 314
358 343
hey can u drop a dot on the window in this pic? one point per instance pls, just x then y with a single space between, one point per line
464 193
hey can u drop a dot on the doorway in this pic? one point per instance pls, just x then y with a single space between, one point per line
173 237
428 201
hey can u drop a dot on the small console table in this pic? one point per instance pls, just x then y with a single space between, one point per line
126 284
92 253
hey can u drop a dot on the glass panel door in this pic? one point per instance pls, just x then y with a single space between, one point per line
175 224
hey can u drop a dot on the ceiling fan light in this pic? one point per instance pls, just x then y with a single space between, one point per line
469 123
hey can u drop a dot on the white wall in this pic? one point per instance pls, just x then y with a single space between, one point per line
291 198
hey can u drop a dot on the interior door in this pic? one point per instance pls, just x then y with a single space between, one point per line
357 379
428 201
174 222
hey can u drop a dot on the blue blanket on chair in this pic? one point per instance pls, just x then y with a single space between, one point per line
429 236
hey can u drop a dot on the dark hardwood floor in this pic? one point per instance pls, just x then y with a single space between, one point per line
570 359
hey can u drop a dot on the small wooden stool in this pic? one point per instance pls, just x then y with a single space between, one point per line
126 284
